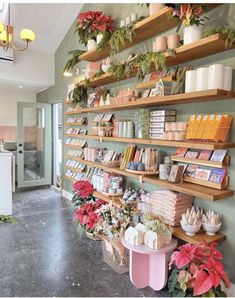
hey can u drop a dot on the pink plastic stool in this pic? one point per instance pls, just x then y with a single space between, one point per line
149 267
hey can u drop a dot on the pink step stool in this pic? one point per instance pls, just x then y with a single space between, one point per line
149 267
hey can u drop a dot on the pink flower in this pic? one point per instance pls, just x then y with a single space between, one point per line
83 188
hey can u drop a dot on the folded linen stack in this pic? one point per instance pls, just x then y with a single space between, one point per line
170 205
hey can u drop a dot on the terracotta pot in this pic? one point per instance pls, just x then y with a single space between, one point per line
155 7
161 43
173 41
192 33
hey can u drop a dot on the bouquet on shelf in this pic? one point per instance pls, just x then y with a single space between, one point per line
83 193
87 217
92 23
198 271
113 221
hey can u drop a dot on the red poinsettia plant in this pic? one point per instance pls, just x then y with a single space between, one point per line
83 193
87 216
91 23
198 271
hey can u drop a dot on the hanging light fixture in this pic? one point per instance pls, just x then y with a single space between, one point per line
7 35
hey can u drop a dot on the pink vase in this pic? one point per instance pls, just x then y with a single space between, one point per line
155 7
161 43
173 41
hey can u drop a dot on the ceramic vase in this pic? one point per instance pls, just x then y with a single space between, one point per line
173 41
161 43
202 79
228 76
91 44
155 7
216 76
192 33
99 38
190 81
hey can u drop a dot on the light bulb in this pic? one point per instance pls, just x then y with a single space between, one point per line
27 35
1 27
3 36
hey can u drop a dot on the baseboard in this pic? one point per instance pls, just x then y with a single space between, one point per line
67 194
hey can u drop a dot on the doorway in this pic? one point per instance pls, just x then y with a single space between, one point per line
57 117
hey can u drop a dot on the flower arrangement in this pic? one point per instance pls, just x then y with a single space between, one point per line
113 221
198 271
91 23
86 215
83 193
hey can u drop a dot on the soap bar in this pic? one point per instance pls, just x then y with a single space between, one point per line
163 113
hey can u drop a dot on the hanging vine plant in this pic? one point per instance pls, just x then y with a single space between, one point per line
227 32
79 95
73 60
119 37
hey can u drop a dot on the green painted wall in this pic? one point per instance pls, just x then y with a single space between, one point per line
57 93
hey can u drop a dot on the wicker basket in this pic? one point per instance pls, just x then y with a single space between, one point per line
91 236
115 255
111 164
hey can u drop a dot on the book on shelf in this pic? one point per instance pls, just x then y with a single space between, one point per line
202 174
217 175
180 152
191 154
205 154
218 155
176 173
191 170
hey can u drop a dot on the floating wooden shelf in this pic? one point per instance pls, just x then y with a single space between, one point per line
183 98
202 48
187 188
147 28
74 124
73 169
69 178
107 199
223 185
161 143
199 191
201 162
73 146
74 135
200 237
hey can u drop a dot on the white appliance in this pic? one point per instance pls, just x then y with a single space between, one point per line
5 183
6 57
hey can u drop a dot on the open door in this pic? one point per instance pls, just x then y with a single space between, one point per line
33 144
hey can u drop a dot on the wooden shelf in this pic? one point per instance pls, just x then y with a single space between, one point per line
74 135
221 186
70 179
73 169
162 143
187 188
201 162
202 48
199 191
183 98
145 29
73 146
114 200
74 124
200 237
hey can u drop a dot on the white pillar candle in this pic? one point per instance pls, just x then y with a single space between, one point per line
190 81
128 21
202 79
216 76
122 23
228 77
133 17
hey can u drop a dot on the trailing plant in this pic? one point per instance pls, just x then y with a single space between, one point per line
73 60
98 74
7 218
79 95
198 271
227 32
118 70
120 36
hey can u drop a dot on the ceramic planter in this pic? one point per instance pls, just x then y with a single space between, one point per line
173 41
192 33
91 44
161 43
228 76
190 81
155 7
99 38
202 79
216 76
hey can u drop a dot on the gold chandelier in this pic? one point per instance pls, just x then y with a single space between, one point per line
7 35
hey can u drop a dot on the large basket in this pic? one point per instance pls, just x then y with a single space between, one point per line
115 255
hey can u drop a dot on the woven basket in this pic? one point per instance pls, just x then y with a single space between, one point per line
92 236
111 164
115 255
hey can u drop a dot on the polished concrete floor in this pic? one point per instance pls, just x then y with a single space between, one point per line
44 254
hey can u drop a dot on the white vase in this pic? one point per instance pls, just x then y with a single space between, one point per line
98 38
91 44
192 33
228 77
155 7
190 81
216 76
202 79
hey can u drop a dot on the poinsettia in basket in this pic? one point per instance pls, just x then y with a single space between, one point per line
198 271
83 193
